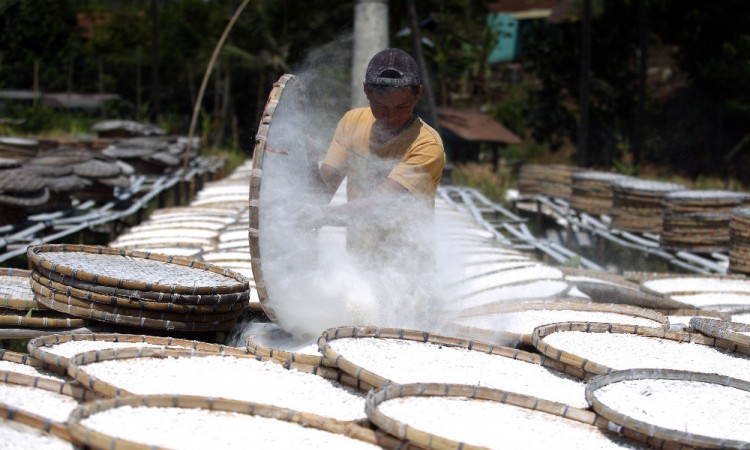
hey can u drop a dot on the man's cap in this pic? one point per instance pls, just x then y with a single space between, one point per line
392 67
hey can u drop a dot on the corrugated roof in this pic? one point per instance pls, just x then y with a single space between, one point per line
476 126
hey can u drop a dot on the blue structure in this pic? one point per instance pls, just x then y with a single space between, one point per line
506 28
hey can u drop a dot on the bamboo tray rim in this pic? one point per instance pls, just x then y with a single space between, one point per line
198 299
33 253
592 367
375 380
86 436
656 431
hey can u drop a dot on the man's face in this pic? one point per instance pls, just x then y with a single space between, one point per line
392 108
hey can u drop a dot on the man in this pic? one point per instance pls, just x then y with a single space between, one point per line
392 160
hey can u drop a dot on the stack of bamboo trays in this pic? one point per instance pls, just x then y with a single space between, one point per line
19 308
530 179
557 180
698 221
591 192
739 241
160 292
637 204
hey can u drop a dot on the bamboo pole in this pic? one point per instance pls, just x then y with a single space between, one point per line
206 76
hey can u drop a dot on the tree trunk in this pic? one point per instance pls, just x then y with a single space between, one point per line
370 36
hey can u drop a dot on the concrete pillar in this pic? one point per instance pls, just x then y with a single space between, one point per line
370 36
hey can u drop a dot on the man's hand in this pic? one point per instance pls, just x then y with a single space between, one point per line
307 216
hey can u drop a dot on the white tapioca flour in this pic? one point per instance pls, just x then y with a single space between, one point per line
697 284
524 322
629 351
741 317
713 299
17 436
244 379
29 370
507 294
693 407
183 428
51 405
72 348
497 425
405 361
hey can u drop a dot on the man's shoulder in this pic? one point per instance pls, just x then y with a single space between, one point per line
430 134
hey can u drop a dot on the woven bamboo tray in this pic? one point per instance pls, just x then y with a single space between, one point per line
734 332
505 438
594 368
40 348
130 303
530 178
376 380
68 297
182 299
89 437
62 303
629 315
259 152
349 409
105 262
620 415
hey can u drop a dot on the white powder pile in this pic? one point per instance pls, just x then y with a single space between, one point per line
415 362
693 407
10 366
244 379
497 425
629 351
72 348
183 428
524 322
52 405
17 436
697 284
713 299
741 317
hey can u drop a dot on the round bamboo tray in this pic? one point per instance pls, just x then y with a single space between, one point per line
591 191
277 156
591 367
514 313
317 390
199 278
535 410
126 303
530 178
41 347
68 297
182 299
734 332
369 377
635 416
637 204
62 303
90 437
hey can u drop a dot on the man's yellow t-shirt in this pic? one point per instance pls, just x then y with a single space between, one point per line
414 158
